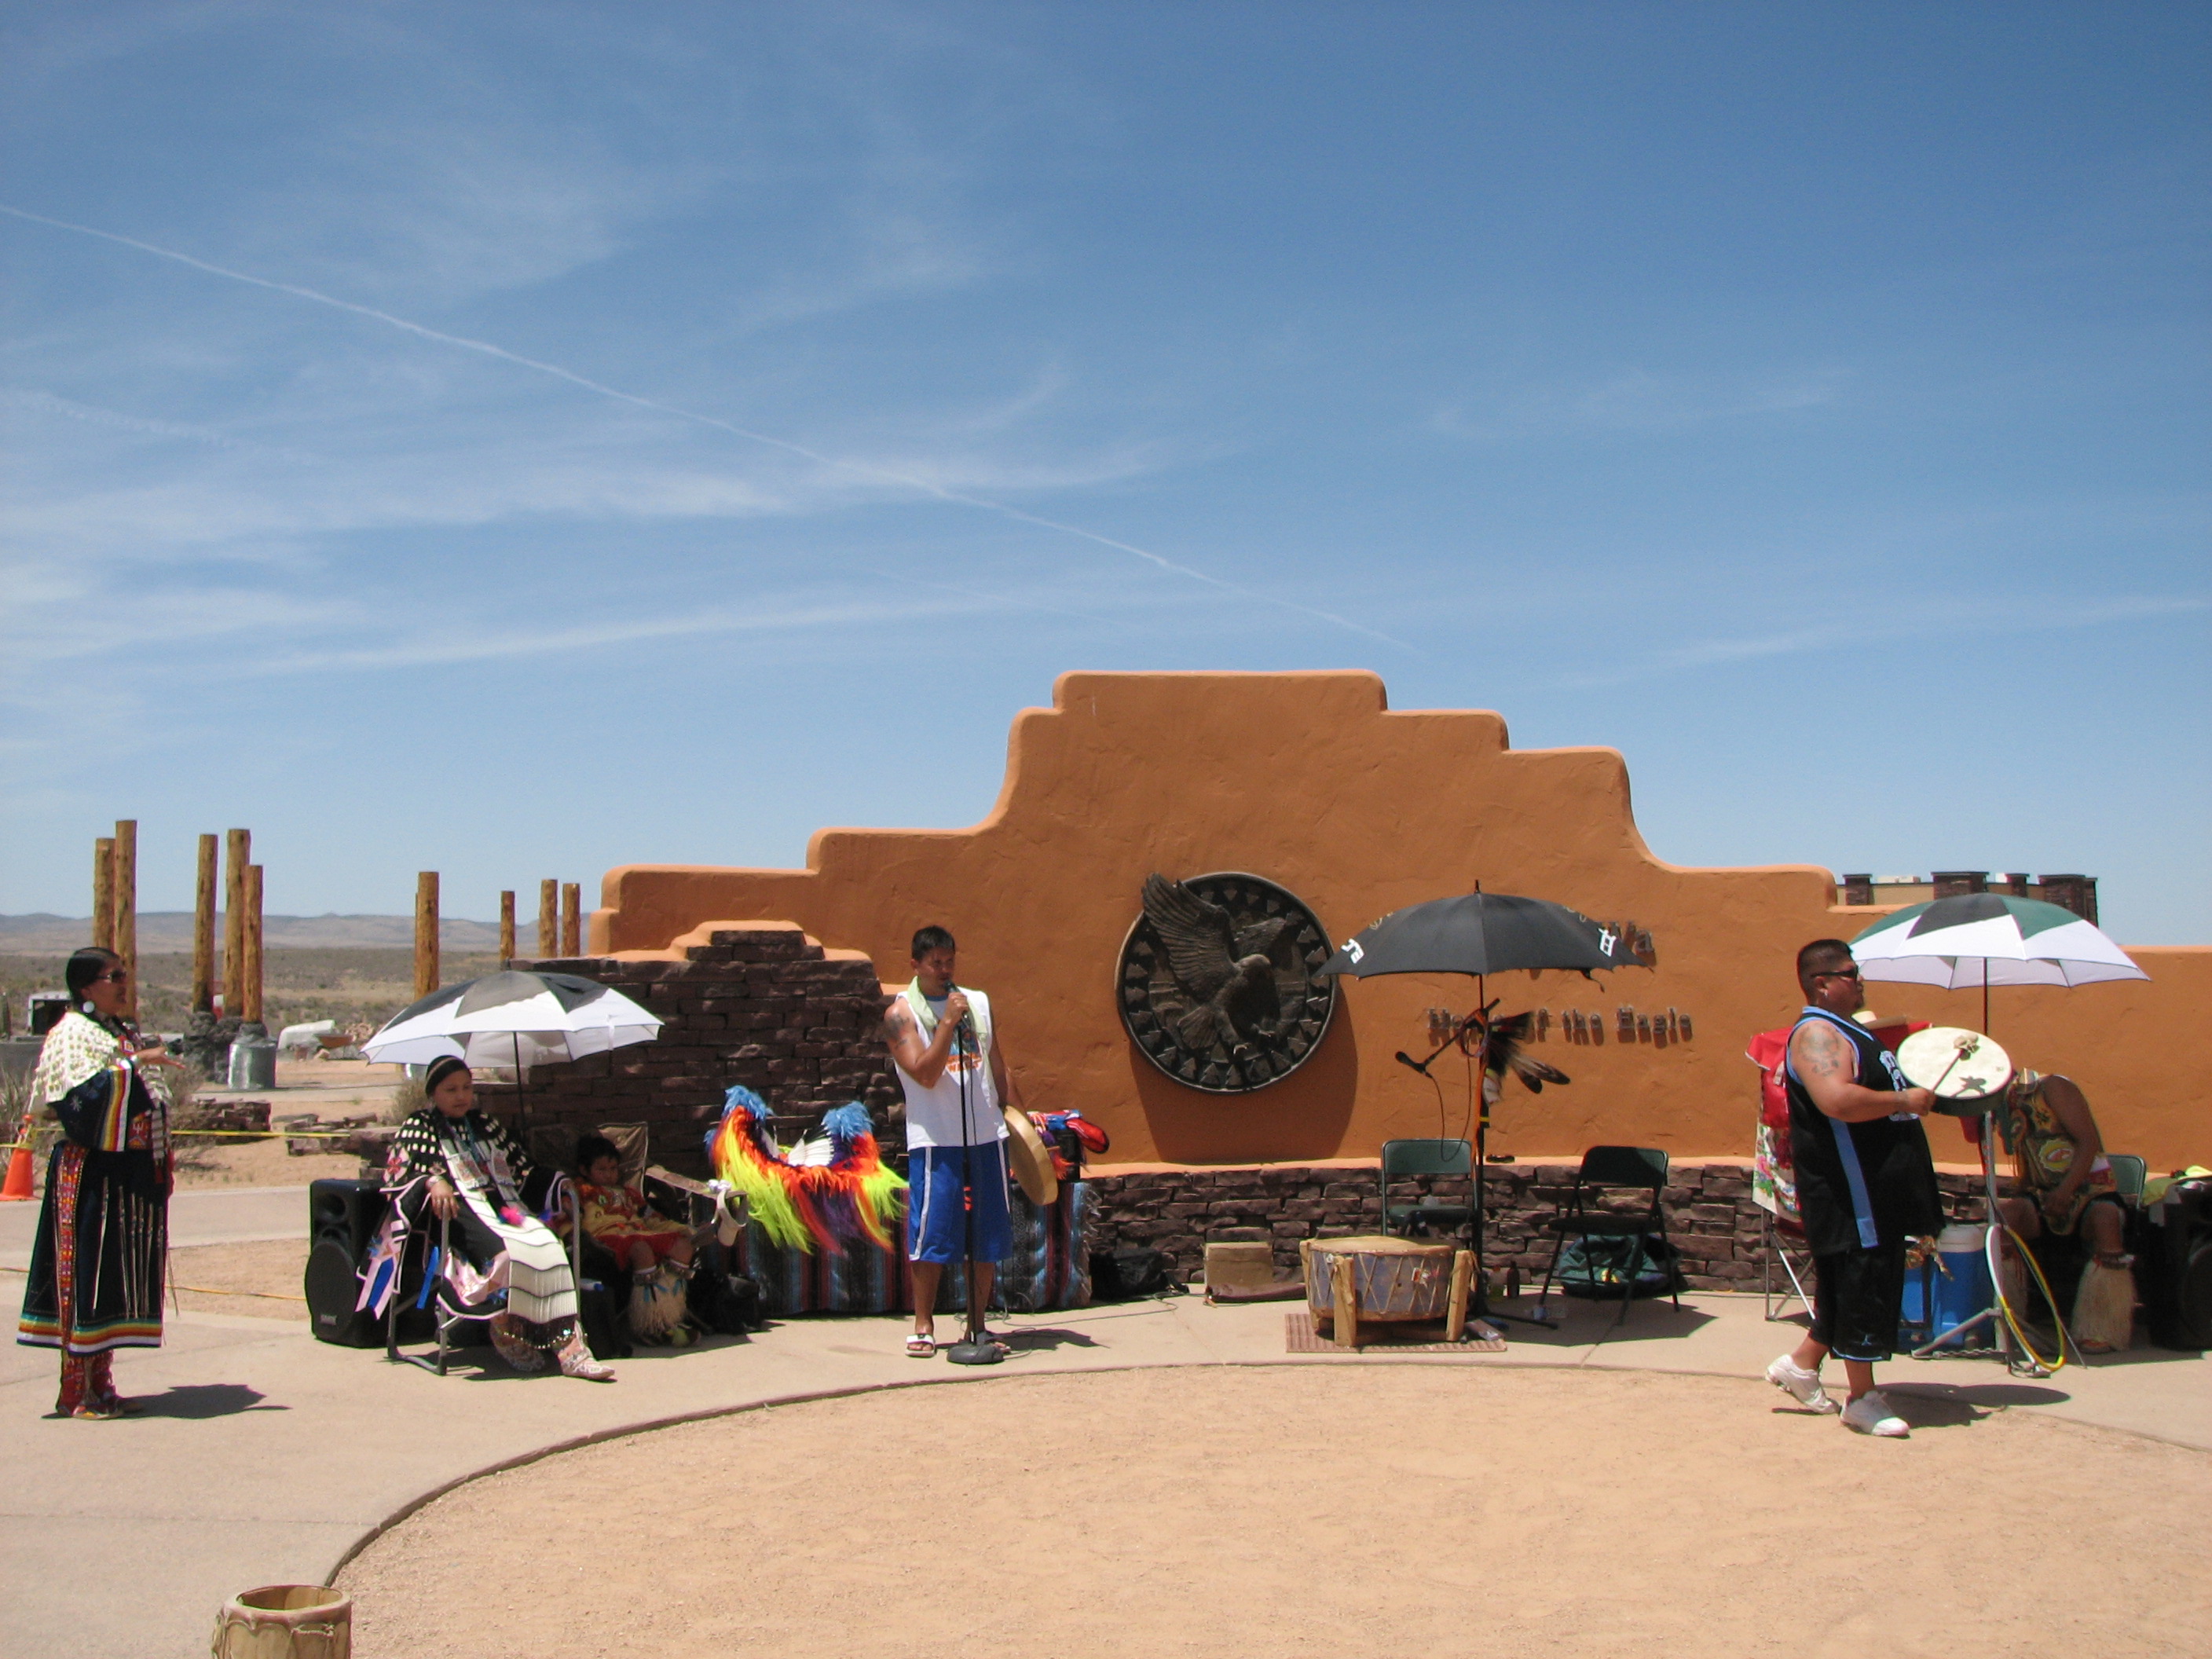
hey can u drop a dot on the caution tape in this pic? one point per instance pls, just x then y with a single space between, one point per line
236 1134
204 1290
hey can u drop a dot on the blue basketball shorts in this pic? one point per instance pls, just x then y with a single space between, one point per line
941 1182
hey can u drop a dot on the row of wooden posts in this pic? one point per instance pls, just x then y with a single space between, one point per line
560 925
115 920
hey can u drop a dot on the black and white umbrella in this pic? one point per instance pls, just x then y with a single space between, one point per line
1481 934
516 1019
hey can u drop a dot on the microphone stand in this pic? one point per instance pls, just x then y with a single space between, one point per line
1479 1205
971 1350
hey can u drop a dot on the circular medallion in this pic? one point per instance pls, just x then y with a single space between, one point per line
1220 981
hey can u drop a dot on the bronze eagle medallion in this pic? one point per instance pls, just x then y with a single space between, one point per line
1220 984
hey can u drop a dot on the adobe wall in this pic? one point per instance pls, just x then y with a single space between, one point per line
1310 780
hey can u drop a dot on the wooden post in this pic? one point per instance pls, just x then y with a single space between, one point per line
506 928
103 892
238 852
548 918
204 929
572 919
426 933
250 991
126 910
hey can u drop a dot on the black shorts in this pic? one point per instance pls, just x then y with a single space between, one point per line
1858 1297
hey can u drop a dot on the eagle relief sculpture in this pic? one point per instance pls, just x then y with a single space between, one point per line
1220 985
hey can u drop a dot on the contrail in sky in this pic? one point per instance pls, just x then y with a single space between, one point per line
485 347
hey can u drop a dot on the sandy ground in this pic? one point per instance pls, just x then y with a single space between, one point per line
256 1164
260 1281
1347 1510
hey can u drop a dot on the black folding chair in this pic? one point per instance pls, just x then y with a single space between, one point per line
1428 1213
1608 1168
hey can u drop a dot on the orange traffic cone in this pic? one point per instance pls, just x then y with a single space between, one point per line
18 1186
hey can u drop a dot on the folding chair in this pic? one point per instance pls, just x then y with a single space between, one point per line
1785 1244
1427 1157
2129 1172
1605 1169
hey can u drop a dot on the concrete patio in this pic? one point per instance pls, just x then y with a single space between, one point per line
264 1456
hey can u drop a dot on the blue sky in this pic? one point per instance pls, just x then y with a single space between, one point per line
652 432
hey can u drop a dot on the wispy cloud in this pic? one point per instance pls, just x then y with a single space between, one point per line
29 401
860 469
1636 400
1965 617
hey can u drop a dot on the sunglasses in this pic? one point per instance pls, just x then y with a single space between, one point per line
112 977
1837 973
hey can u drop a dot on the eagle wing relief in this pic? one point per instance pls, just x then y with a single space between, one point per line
1200 946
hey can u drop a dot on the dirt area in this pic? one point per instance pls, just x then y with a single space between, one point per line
1343 1511
298 985
261 1282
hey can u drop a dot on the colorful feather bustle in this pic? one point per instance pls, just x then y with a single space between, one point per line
808 1206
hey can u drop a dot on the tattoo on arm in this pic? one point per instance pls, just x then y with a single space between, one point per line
1827 1056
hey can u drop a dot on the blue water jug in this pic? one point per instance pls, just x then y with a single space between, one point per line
1962 1285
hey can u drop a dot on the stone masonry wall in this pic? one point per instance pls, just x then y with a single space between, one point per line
1710 1217
760 1005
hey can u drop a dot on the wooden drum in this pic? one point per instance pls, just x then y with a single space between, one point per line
285 1621
1385 1278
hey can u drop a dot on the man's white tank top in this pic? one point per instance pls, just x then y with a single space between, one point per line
932 1114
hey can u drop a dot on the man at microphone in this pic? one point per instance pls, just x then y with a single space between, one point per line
953 1069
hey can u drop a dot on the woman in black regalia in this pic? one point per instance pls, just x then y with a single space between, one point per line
104 1229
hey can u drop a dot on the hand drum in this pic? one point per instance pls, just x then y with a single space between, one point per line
1964 1070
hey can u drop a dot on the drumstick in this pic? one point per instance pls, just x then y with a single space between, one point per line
1966 1046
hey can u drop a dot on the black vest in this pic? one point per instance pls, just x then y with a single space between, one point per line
1860 1186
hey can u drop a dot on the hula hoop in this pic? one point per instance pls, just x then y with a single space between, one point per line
2011 1319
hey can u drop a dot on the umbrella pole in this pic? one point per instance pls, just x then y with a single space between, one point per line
1985 996
1480 1200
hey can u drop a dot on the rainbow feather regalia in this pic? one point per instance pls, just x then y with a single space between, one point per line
812 1206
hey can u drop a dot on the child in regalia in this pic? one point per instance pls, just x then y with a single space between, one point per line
657 1252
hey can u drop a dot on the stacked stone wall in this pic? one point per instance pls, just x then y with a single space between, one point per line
762 1005
1711 1219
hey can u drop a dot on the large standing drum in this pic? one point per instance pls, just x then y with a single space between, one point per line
285 1621
1383 1277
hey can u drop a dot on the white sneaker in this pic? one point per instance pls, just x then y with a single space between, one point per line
1870 1414
1800 1384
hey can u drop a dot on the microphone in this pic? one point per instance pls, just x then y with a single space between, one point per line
1420 1066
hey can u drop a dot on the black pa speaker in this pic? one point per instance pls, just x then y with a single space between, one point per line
343 1216
2173 1269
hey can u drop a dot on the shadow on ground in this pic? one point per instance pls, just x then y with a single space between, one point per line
204 1399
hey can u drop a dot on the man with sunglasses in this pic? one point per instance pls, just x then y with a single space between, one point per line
1866 1187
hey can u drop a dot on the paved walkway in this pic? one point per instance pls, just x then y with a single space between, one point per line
201 1215
266 1456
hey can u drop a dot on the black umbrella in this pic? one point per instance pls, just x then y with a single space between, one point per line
1480 933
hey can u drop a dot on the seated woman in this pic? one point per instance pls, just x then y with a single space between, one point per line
617 1219
459 1165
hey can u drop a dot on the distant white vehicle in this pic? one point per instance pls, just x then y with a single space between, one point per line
295 1040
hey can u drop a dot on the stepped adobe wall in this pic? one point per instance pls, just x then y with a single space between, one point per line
1312 781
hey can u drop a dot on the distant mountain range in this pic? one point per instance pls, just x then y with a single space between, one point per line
164 931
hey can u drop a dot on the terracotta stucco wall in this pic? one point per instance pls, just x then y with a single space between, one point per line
1309 780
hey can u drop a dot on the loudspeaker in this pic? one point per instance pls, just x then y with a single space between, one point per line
2173 1269
343 1216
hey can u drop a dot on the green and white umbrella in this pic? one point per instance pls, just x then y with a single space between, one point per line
1990 938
